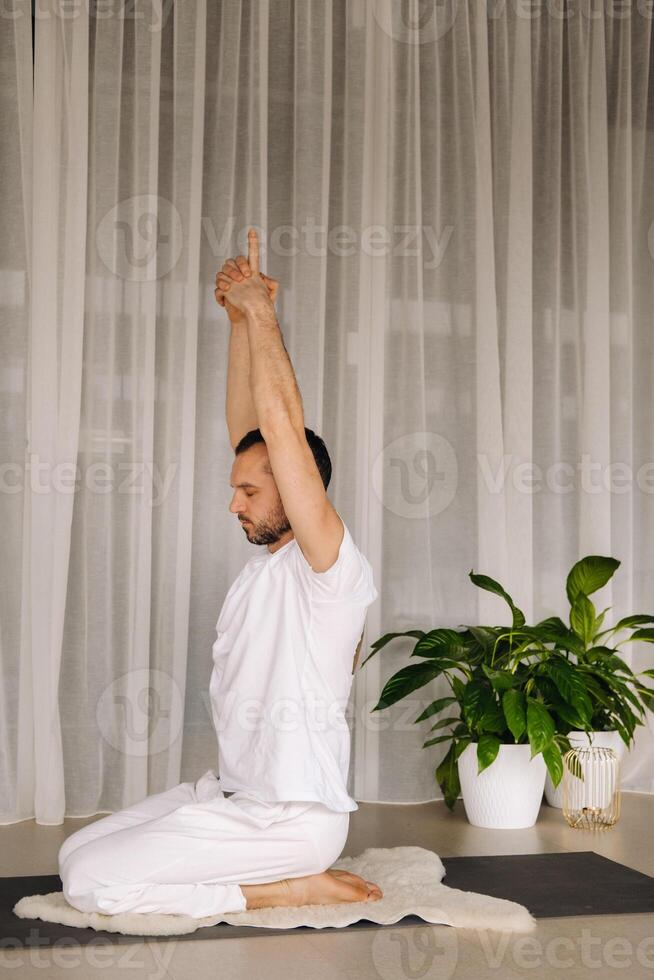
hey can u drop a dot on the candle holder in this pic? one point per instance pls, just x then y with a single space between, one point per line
591 788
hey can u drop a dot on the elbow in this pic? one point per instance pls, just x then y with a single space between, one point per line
280 424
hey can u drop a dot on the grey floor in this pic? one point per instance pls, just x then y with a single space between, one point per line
592 946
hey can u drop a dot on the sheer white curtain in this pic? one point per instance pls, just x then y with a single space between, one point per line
458 201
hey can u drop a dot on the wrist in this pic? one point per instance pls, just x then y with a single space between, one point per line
259 308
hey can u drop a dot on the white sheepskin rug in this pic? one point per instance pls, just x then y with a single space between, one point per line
409 877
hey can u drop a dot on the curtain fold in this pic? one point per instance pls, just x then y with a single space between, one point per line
458 201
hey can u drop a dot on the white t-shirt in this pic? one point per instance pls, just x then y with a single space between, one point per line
283 671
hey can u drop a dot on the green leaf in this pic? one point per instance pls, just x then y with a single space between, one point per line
439 642
540 726
490 585
435 707
582 618
487 748
458 687
513 705
627 718
565 717
553 630
569 719
493 719
623 692
630 621
405 681
553 623
485 637
476 700
573 763
386 638
589 574
597 625
434 741
447 775
500 679
570 686
608 658
646 635
647 697
554 762
443 722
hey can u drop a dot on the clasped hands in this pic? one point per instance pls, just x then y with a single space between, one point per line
241 287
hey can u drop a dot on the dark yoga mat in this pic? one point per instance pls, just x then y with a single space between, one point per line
549 885
553 885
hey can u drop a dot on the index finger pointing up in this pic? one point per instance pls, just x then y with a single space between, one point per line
253 251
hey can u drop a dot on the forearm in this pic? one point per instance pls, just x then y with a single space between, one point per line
239 407
275 393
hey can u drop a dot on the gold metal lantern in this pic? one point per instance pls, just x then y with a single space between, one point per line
591 788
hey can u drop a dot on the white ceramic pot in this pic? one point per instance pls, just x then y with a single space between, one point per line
508 793
605 740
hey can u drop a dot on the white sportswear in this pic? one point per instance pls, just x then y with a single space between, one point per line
282 674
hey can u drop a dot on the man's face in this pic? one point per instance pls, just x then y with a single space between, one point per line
256 500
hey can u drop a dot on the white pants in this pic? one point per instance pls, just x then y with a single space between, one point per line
188 849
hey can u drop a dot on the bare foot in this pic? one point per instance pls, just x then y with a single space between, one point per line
373 891
328 888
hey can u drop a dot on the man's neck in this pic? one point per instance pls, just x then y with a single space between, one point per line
285 538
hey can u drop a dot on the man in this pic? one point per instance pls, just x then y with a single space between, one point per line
310 598
285 639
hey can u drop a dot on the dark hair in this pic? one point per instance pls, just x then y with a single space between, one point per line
317 446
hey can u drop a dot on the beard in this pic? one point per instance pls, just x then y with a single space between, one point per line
270 529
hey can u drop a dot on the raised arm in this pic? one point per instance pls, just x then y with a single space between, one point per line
239 408
280 415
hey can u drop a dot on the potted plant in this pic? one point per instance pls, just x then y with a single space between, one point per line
519 691
618 698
